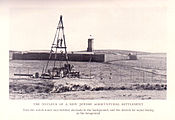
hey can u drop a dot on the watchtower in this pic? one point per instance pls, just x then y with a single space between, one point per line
90 44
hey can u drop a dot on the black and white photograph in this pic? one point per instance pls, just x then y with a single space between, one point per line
88 50
87 59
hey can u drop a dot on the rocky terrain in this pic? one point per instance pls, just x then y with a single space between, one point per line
117 78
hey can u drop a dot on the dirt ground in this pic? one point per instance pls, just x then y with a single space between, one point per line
117 78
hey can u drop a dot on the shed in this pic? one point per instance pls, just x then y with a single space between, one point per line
132 57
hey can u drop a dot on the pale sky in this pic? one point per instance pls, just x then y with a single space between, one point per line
114 24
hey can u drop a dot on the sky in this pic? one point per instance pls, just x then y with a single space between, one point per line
114 24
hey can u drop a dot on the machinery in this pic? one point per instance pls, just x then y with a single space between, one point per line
59 43
57 71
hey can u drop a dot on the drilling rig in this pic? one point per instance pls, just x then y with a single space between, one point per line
61 70
52 69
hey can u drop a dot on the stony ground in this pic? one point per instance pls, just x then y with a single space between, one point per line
117 78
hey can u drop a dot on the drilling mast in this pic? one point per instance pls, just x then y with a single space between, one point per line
66 70
59 43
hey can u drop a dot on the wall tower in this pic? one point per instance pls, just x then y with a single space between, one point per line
90 44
